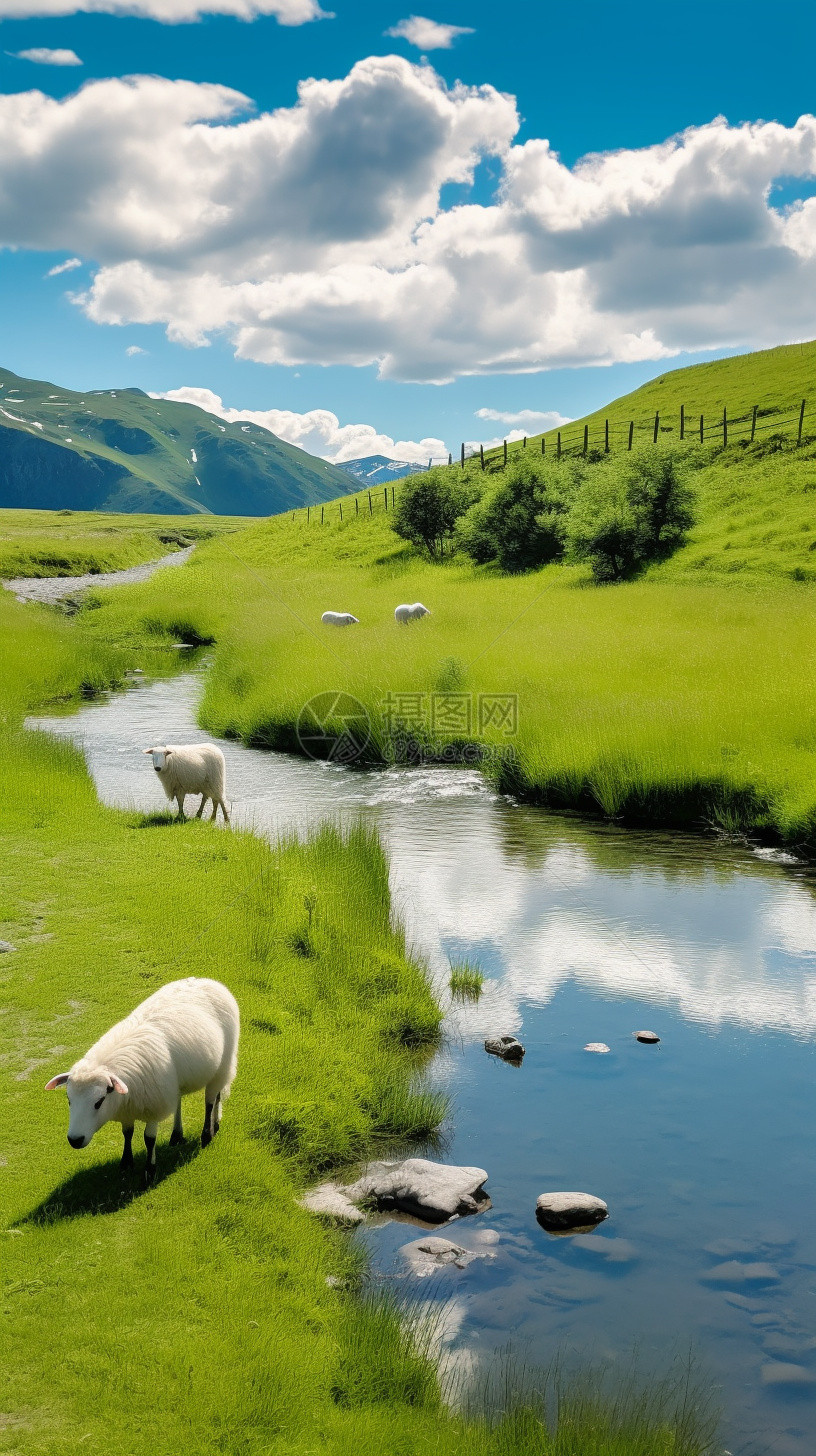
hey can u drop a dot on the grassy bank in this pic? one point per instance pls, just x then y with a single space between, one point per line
73 543
212 1314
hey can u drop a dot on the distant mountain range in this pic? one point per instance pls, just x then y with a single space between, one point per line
378 469
120 450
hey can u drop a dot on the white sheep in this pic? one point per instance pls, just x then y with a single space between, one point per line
338 619
182 1038
411 613
192 768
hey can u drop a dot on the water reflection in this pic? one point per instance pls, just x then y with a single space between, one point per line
702 1146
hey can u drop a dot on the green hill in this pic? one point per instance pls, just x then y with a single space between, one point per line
120 450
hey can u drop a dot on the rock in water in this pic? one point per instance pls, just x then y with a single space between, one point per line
431 1191
507 1047
425 1256
596 1046
578 1211
331 1200
650 1037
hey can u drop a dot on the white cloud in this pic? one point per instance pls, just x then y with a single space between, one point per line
133 349
318 431
42 56
314 234
428 35
170 12
530 422
66 267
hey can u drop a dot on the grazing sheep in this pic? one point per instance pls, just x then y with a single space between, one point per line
338 619
182 1038
192 768
411 613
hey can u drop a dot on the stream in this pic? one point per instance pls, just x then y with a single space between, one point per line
702 1146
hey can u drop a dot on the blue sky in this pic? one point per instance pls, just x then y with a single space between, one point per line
568 294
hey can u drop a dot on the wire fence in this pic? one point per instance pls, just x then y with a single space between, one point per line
601 439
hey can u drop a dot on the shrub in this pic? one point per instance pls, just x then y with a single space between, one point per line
520 523
428 507
629 515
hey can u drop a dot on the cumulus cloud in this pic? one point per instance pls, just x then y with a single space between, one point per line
42 56
170 12
427 35
66 267
133 349
318 431
315 233
530 422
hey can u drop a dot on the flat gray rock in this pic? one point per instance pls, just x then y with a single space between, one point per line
431 1191
427 1255
509 1048
649 1037
579 1211
6 946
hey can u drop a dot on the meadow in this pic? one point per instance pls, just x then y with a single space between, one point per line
75 543
212 1314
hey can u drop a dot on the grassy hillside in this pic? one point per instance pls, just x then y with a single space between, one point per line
65 543
120 450
684 697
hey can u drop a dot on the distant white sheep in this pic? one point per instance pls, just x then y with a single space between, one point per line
338 619
181 1039
192 768
411 613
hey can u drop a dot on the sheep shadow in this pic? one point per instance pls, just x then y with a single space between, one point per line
106 1187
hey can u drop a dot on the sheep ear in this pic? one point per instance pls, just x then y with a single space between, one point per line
117 1084
58 1081
147 750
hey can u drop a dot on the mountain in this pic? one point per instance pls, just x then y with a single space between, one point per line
121 450
378 469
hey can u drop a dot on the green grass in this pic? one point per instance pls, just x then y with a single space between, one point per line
466 980
73 543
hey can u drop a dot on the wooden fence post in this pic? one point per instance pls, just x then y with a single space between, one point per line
701 429
505 452
322 508
656 427
753 423
558 448
524 446
725 425
393 496
385 493
356 506
481 456
586 438
450 458
341 510
682 422
370 506
801 422
631 433
543 445
606 437
462 457
308 514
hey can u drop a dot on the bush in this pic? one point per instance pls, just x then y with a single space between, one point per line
428 507
627 516
520 523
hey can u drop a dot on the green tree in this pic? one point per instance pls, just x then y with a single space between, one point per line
627 516
428 506
520 523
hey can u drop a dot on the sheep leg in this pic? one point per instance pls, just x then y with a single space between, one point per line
177 1135
127 1151
180 802
201 806
151 1128
223 811
209 1130
216 1114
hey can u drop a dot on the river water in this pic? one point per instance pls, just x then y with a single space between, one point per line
703 1146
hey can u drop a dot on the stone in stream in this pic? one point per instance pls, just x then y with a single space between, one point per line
6 946
578 1212
596 1046
427 1255
648 1037
509 1048
433 1192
